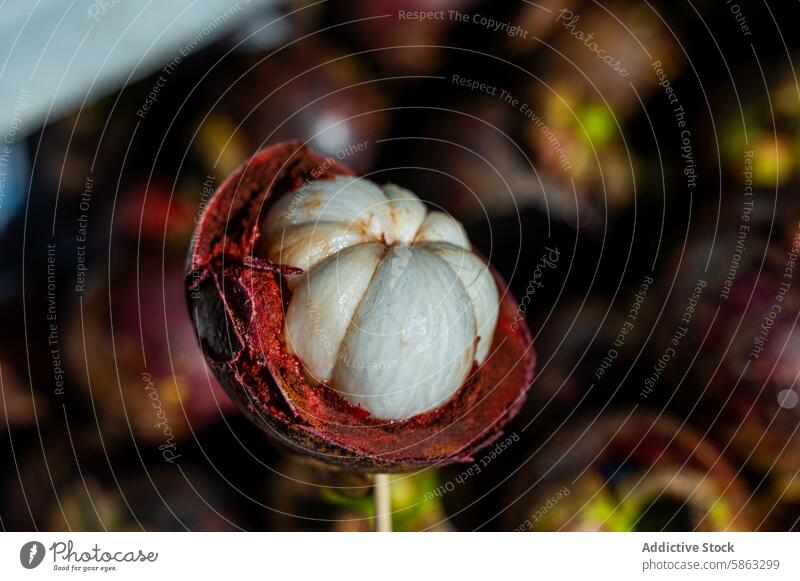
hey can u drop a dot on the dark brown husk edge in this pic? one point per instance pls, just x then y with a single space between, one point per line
237 302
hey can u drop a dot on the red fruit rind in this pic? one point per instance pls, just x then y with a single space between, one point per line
238 303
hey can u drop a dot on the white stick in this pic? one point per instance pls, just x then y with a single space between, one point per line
383 503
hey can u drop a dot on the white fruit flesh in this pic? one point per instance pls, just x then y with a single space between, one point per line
393 308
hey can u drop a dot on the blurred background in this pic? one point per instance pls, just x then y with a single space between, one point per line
632 168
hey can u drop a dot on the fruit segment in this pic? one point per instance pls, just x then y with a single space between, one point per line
323 304
411 343
477 280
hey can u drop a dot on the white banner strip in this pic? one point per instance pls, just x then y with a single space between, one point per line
354 556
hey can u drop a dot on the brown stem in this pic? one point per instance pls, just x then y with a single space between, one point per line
383 504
